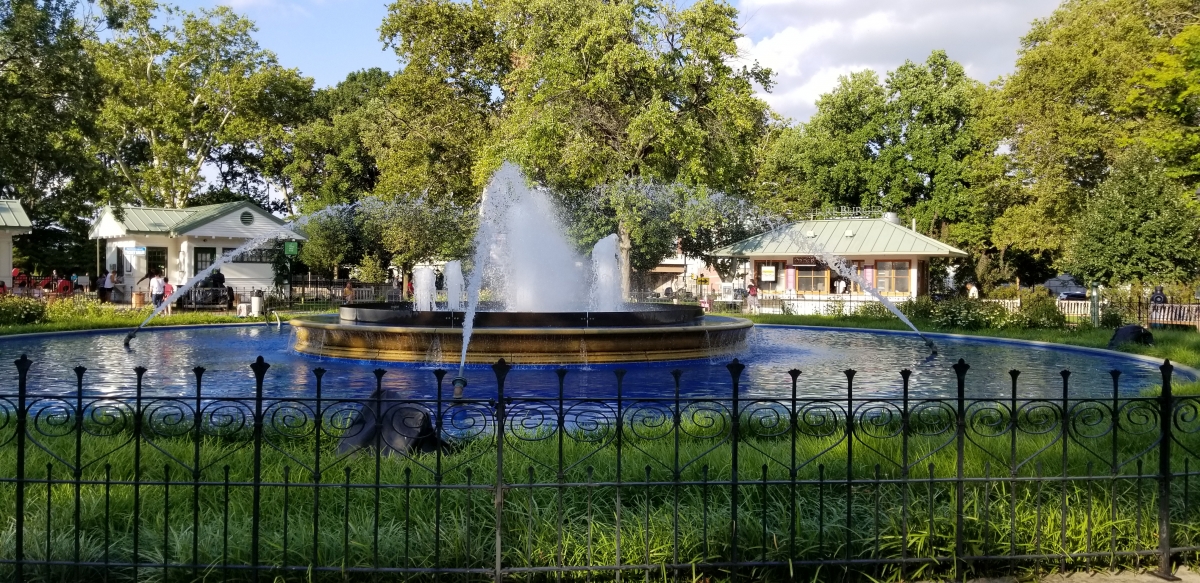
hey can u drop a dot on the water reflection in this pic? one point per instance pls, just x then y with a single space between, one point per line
822 355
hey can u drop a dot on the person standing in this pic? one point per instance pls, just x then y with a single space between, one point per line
157 287
168 290
752 297
104 289
972 291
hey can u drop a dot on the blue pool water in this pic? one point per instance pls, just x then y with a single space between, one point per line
821 355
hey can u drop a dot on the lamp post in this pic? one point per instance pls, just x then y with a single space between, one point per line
1095 304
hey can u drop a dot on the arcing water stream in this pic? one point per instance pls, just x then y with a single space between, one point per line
838 264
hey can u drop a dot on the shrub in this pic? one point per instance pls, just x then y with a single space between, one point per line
1008 292
921 307
1111 317
20 310
835 308
968 314
1038 311
76 308
873 310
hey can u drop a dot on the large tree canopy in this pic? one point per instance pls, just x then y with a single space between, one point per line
188 89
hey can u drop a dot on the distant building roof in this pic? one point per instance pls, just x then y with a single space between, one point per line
174 222
846 237
13 217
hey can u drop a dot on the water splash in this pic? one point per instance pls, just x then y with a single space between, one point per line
523 255
606 276
424 289
453 282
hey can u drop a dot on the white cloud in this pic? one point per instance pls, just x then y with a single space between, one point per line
810 43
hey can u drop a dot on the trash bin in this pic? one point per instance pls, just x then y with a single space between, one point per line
256 303
138 299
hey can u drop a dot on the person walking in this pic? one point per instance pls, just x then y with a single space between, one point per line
157 287
972 291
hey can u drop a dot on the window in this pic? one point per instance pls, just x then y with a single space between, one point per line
205 256
857 267
266 255
891 277
769 275
810 278
156 260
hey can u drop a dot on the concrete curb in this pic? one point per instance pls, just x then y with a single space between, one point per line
126 330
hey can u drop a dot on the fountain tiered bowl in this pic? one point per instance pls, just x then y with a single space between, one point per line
641 333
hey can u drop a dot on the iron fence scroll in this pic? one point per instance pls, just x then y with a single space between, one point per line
191 487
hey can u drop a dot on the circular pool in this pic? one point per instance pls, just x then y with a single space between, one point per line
821 354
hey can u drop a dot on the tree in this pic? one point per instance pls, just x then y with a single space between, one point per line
1141 225
328 162
48 93
1165 97
1063 107
829 160
187 90
329 240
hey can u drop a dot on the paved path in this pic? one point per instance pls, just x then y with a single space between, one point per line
1185 576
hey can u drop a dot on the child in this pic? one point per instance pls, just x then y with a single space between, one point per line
168 289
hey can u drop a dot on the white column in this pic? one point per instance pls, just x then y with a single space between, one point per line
912 277
6 262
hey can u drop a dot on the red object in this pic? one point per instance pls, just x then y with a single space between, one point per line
64 286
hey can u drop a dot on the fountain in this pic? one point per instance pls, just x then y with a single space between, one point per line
424 290
545 304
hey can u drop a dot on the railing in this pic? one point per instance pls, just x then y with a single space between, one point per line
145 486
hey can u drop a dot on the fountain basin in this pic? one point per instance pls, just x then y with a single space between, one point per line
386 333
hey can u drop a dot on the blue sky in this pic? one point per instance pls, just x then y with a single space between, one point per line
809 43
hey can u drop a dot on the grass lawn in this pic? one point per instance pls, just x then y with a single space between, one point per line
125 319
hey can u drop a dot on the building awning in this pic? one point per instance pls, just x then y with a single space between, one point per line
13 218
668 269
844 237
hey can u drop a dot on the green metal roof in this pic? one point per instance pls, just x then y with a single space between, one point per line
174 222
847 237
209 213
12 215
153 220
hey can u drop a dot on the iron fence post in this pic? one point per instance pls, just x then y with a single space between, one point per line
849 461
500 369
735 372
260 370
138 421
960 489
23 365
1166 416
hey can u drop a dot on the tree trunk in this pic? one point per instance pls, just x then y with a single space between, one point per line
625 246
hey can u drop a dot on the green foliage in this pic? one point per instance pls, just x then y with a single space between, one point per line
75 308
1038 310
1140 225
1166 96
1065 97
193 89
920 307
21 310
968 314
873 310
329 241
371 270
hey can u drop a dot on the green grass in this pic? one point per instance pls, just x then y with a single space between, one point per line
179 318
1040 516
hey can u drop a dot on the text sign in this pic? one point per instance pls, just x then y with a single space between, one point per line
806 260
291 248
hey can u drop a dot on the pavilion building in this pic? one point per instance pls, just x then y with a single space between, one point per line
887 255
181 243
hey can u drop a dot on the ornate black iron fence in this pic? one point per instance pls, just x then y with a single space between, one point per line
489 487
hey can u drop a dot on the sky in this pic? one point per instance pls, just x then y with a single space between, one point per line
808 43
